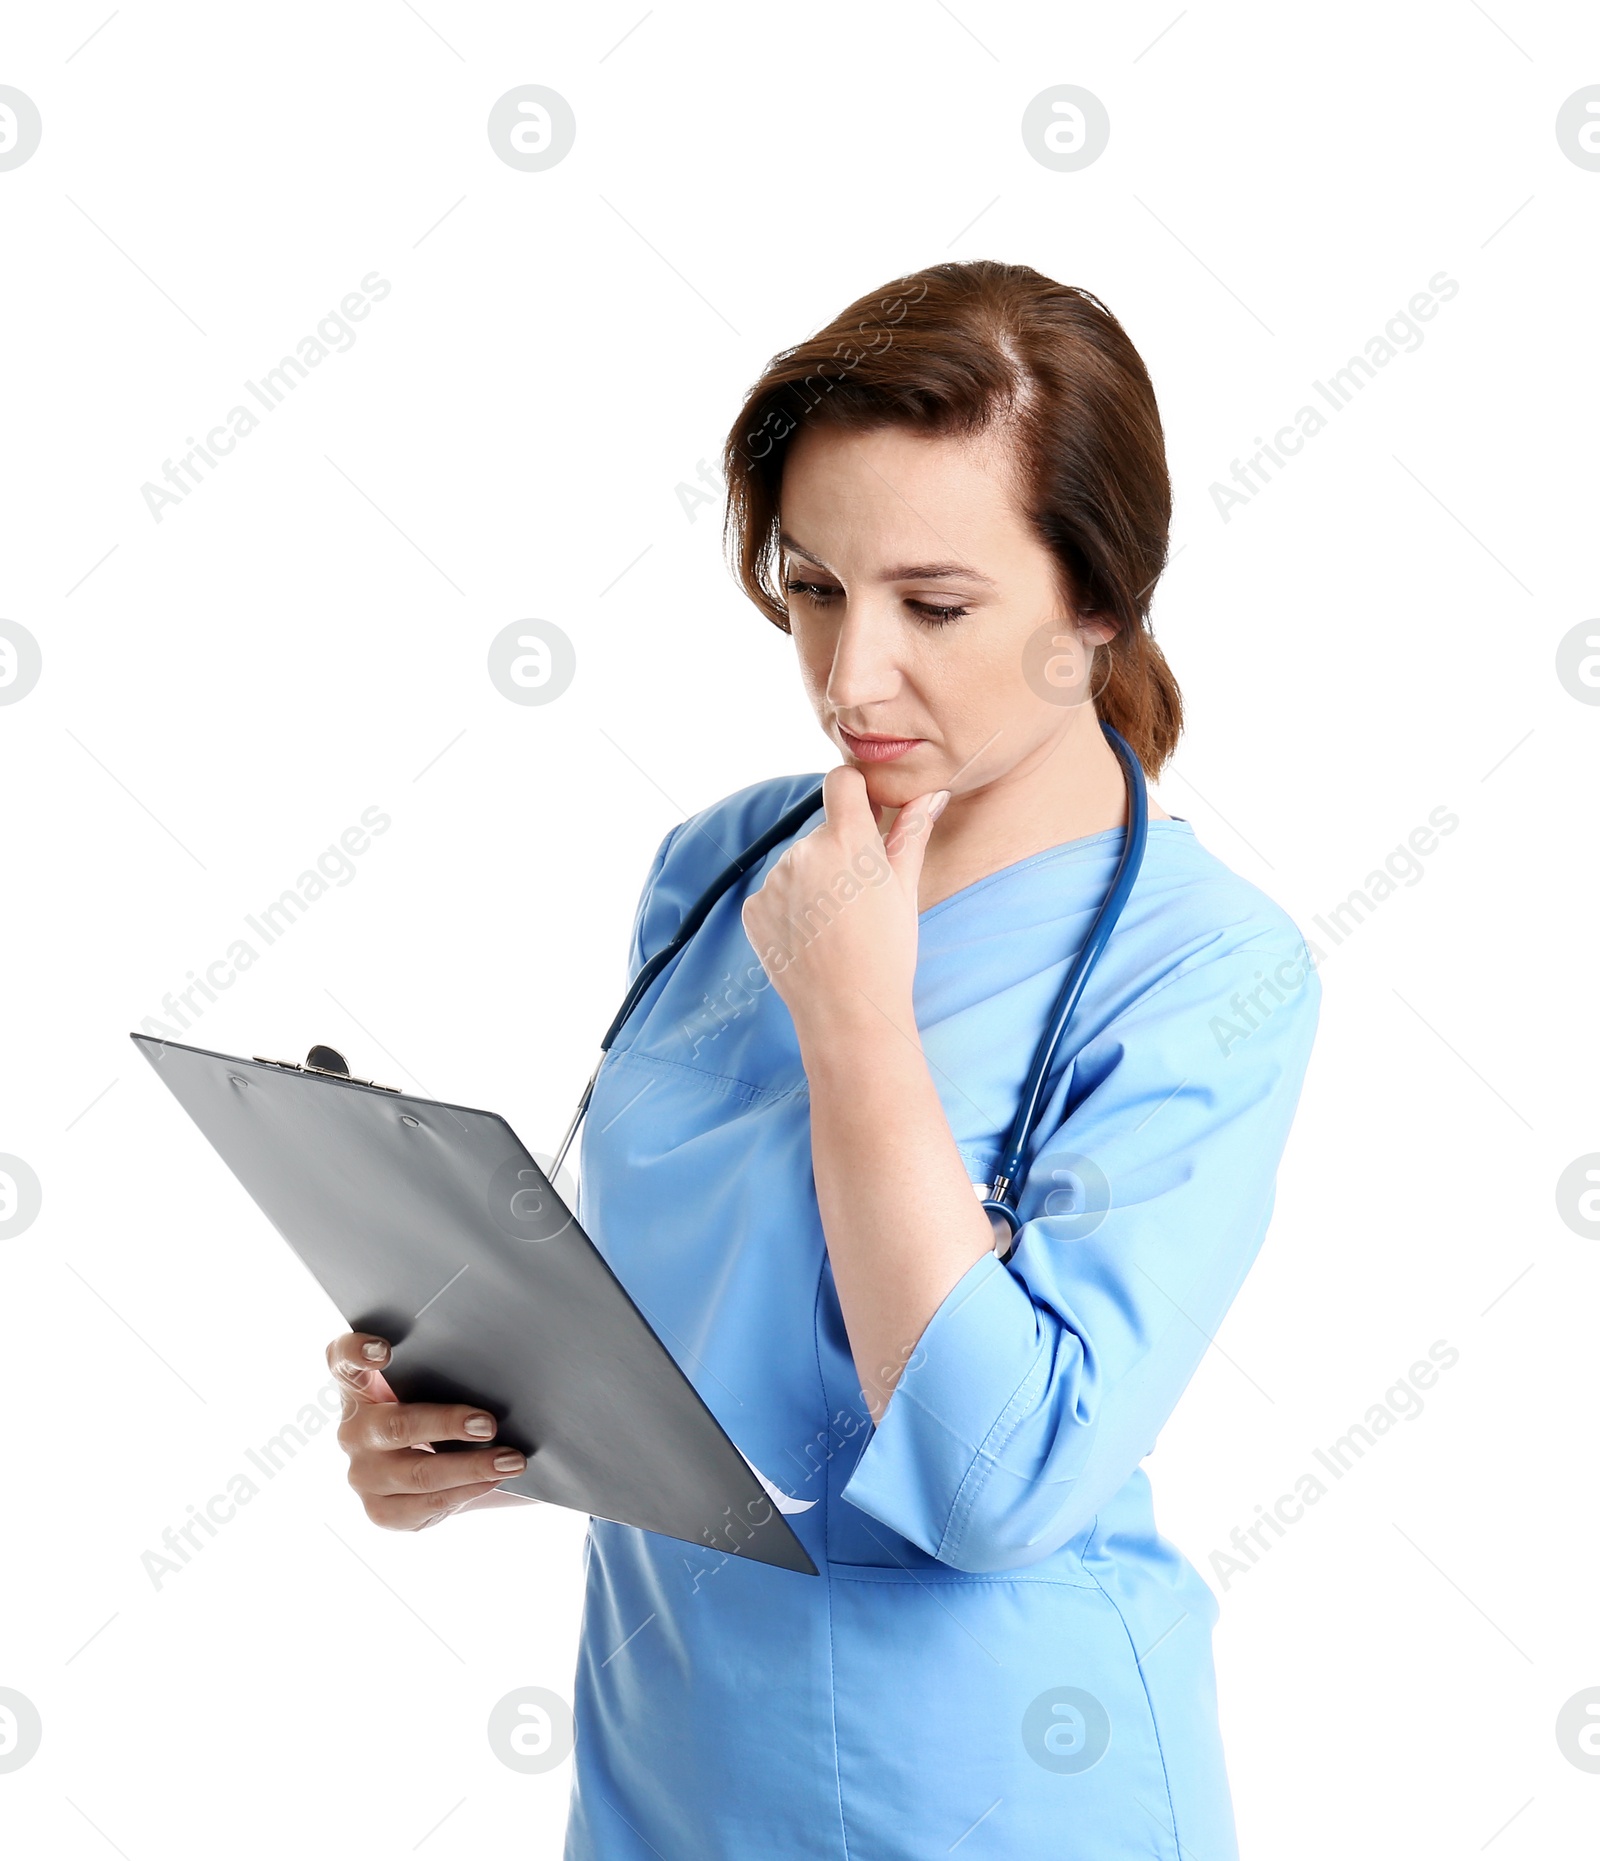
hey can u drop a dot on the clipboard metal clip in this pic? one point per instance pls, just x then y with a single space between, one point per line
328 1061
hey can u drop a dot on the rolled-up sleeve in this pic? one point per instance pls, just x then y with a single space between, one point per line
1040 1384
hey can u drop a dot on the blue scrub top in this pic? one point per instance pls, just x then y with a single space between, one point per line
1001 1651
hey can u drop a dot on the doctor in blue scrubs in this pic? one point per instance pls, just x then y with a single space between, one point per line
954 500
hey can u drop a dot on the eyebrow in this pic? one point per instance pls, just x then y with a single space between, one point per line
908 572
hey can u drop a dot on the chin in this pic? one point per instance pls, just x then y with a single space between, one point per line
891 788
893 784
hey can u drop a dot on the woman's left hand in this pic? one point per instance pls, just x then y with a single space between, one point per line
835 923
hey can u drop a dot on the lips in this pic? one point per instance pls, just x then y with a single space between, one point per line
876 749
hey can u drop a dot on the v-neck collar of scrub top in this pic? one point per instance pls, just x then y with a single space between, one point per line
1067 848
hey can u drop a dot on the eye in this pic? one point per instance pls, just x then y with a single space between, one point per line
937 616
821 593
813 591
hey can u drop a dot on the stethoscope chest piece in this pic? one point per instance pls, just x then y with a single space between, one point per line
1005 1221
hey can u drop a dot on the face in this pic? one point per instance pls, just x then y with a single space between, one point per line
921 602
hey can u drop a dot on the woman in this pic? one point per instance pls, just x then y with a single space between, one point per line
955 499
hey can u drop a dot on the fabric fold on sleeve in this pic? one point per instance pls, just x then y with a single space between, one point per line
978 1369
1040 1384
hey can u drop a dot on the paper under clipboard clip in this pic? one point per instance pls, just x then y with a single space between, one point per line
328 1060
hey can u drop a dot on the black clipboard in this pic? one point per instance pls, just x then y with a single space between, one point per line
431 1225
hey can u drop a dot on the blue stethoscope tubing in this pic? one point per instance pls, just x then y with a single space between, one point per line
1001 1201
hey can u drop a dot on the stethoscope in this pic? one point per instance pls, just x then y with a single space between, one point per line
1001 1200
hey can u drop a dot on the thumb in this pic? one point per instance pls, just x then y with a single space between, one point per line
906 843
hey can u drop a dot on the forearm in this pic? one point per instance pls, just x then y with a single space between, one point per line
898 1210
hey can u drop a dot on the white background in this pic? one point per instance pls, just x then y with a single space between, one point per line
1372 637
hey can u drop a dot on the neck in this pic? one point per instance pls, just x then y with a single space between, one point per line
1071 788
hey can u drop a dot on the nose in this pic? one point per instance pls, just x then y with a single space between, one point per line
865 668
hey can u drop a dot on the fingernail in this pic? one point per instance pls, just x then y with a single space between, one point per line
936 807
509 1462
480 1425
376 1350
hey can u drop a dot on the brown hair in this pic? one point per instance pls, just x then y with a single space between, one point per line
958 349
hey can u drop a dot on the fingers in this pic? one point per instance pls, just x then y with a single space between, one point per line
408 1489
914 823
353 1359
357 1350
387 1426
418 1513
379 1473
844 799
403 1484
847 806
